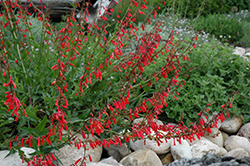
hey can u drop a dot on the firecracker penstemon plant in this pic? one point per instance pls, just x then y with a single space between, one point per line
82 80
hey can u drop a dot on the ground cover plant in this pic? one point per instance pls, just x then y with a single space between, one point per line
84 79
222 72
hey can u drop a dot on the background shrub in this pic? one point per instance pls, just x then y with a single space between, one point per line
224 27
190 8
238 5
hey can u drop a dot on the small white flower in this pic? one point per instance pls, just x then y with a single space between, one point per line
220 36
229 36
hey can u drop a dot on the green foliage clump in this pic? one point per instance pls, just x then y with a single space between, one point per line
124 7
214 73
237 5
192 8
224 28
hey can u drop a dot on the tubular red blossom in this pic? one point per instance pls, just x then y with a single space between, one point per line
135 3
77 161
222 117
38 142
25 115
96 26
30 141
66 102
10 145
144 7
99 74
17 117
8 84
175 97
209 130
53 67
141 12
194 46
223 106
22 158
113 42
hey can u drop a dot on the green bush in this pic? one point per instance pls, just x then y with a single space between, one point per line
238 5
67 82
191 8
224 28
214 73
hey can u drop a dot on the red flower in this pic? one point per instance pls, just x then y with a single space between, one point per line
141 12
135 3
144 7
10 145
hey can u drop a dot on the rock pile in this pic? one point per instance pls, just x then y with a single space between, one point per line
243 52
229 143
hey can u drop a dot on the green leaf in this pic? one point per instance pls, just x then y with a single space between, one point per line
26 130
40 127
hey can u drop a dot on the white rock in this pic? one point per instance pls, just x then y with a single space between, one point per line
117 151
203 147
215 137
225 136
110 161
239 51
142 157
152 145
223 151
14 159
245 131
195 140
70 154
237 153
235 141
138 120
28 151
247 50
231 125
98 164
180 151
